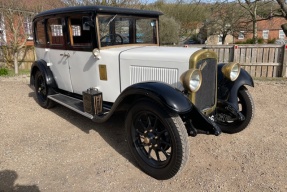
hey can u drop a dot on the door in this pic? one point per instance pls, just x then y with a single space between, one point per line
80 43
57 54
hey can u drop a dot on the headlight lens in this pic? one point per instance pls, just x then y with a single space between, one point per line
191 79
231 71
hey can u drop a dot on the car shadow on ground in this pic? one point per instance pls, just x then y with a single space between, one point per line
7 183
112 131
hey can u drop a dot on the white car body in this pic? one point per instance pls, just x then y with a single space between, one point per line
99 60
75 71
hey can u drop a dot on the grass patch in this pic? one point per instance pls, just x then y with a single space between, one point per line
4 72
11 72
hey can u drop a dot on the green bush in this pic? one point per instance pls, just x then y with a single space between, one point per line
3 71
251 41
260 40
271 41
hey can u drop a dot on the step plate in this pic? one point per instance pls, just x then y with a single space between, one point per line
71 103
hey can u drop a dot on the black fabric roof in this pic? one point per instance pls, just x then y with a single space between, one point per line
100 9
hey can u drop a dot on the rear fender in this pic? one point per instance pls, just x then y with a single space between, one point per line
42 66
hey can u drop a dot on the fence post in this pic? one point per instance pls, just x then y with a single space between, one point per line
236 53
284 61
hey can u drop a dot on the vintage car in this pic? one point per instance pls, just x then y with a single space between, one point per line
97 60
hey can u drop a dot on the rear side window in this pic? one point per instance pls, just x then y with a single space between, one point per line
40 32
80 31
55 31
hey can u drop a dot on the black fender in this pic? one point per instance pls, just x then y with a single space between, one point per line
172 99
42 66
227 90
160 92
167 96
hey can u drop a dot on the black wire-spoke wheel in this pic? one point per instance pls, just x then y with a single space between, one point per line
157 140
246 107
42 91
151 139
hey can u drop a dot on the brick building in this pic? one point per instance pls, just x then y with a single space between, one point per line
267 30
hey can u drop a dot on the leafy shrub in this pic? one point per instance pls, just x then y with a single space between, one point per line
260 40
271 41
251 41
3 71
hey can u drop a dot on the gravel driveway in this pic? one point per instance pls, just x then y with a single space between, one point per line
60 150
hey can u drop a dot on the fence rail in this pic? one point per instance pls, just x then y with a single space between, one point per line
258 60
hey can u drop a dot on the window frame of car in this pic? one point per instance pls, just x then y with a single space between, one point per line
93 12
93 36
156 18
66 31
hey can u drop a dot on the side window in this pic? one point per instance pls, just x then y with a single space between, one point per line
55 31
40 33
80 32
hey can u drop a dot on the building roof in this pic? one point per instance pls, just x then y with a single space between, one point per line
271 24
100 9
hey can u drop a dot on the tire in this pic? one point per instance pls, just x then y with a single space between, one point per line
246 107
157 140
42 91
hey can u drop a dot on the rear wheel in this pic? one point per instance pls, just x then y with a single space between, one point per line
246 107
157 140
42 91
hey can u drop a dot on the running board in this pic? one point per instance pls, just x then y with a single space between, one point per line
71 103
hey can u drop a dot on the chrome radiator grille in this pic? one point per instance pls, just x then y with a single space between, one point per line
141 73
205 97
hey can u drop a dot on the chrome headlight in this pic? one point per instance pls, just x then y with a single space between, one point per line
231 71
191 79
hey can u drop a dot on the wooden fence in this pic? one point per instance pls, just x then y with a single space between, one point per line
25 59
259 60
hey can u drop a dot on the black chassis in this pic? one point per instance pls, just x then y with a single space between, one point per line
165 95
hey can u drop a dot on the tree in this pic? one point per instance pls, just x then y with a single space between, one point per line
169 30
252 8
226 18
14 21
282 12
16 24
189 14
118 3
38 6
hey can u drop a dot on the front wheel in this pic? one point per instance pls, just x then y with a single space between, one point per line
246 107
157 139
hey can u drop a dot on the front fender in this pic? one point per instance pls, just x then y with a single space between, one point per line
160 92
227 90
42 66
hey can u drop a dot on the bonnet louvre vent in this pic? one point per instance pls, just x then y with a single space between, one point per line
140 74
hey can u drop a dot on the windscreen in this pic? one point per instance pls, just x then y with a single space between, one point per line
119 30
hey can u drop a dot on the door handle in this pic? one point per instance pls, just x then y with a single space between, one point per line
65 54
